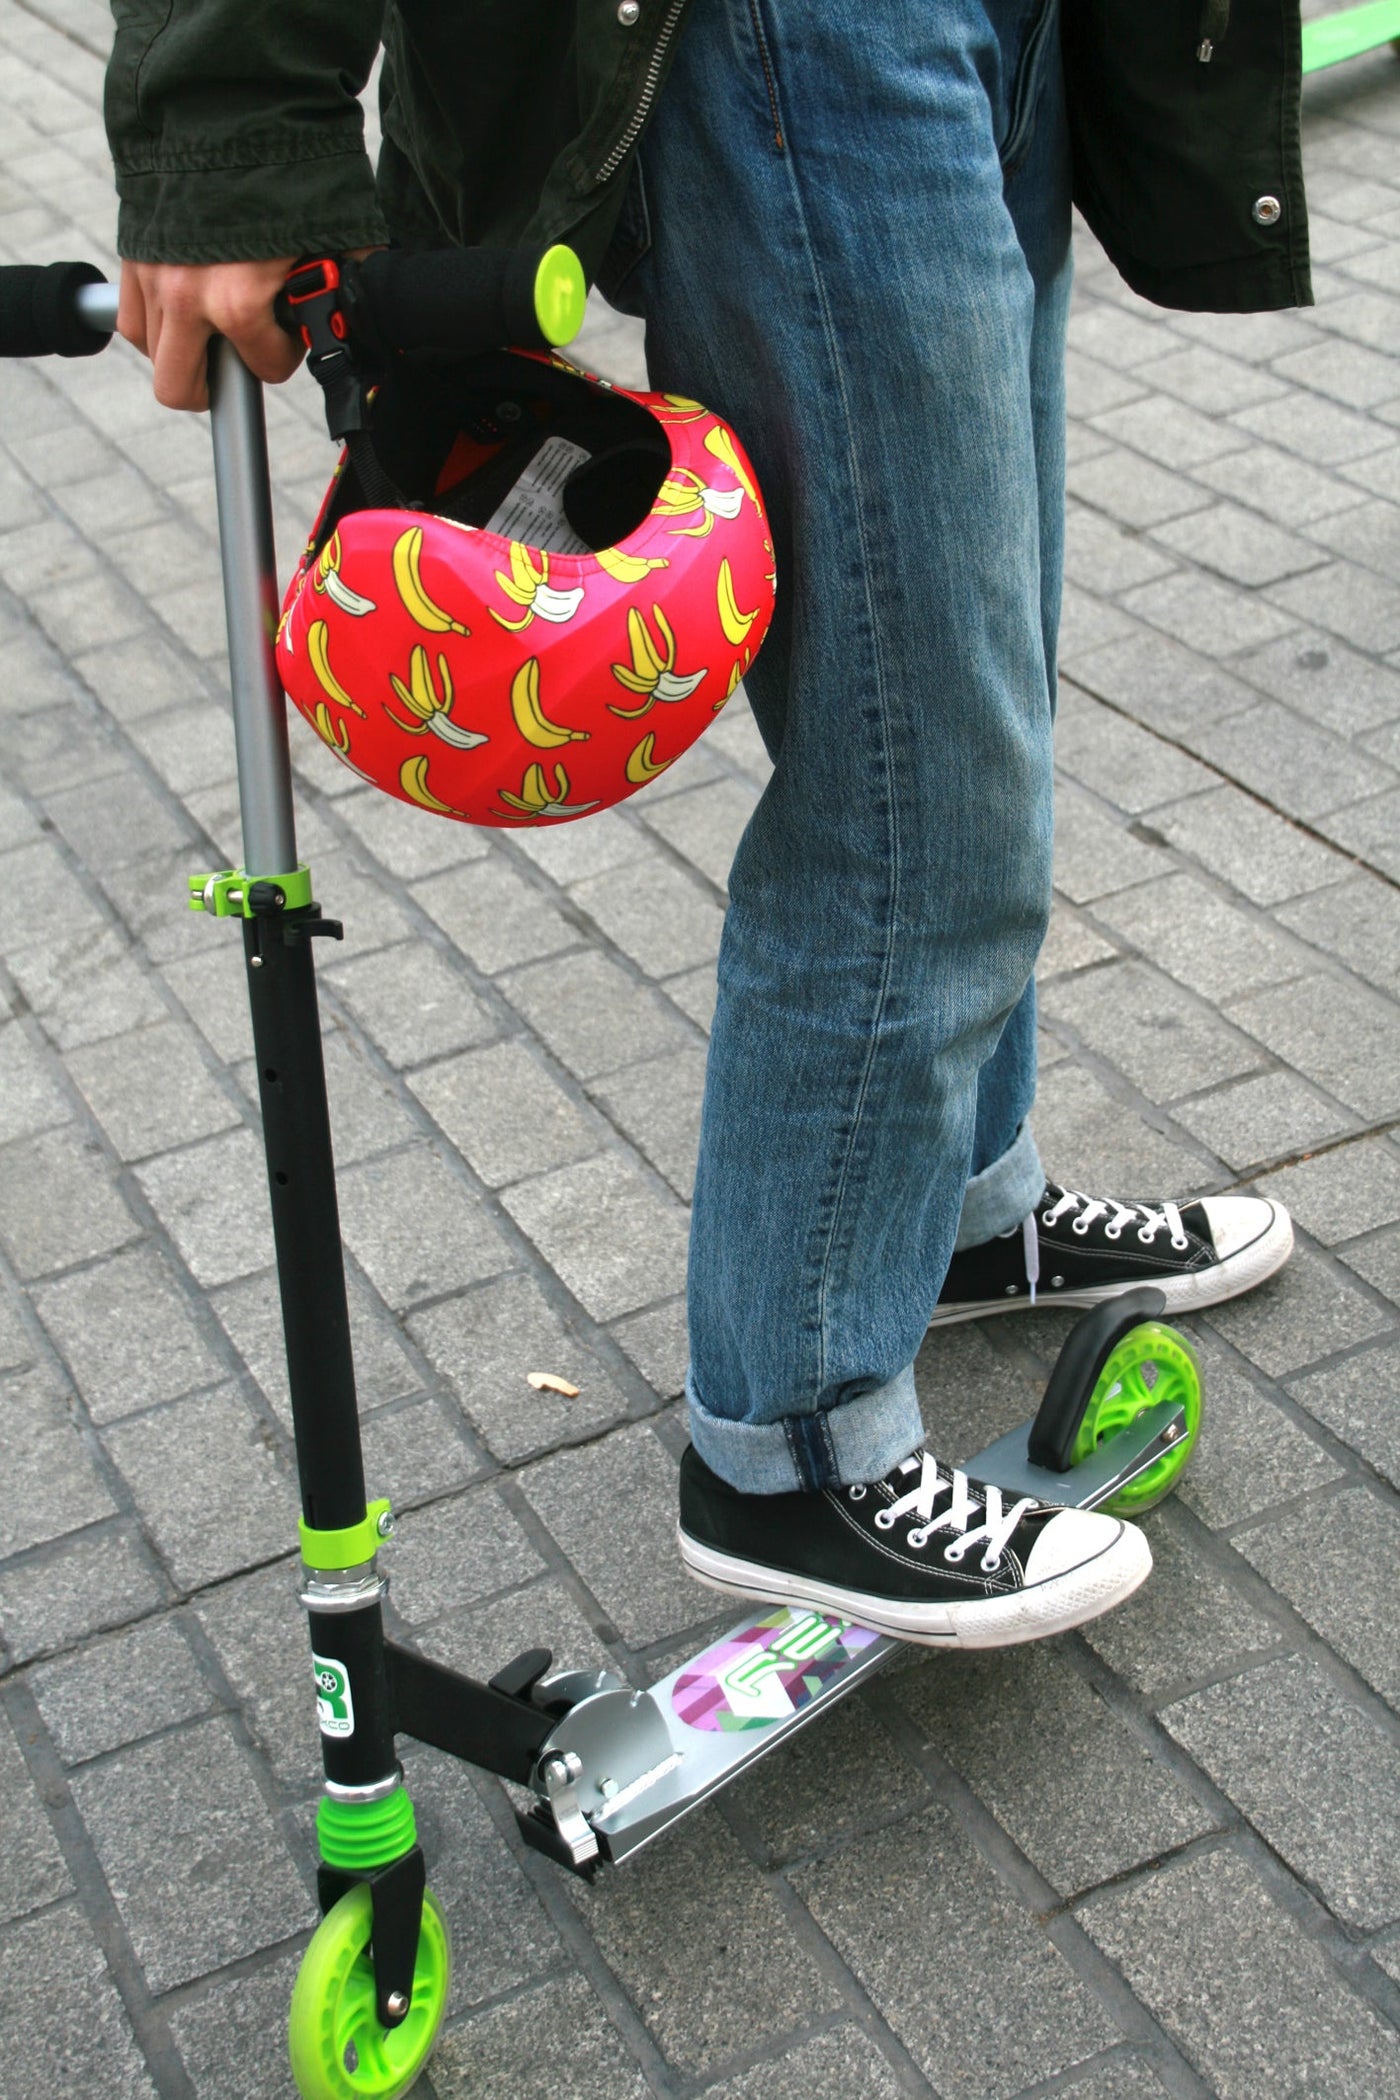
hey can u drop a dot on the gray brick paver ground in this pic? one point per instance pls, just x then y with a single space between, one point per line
514 1046
1252 2003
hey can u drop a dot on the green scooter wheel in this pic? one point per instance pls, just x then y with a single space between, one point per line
339 2050
1151 1364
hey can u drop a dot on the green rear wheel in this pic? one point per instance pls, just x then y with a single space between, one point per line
339 2050
1151 1364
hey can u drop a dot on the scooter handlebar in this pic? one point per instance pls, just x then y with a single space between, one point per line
467 299
48 310
454 299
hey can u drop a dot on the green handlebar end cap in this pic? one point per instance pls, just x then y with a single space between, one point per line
561 292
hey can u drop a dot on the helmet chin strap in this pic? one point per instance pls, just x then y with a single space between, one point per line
314 303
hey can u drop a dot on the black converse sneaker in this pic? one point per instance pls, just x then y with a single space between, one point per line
924 1554
1079 1250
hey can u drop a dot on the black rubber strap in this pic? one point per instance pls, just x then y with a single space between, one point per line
379 492
1087 1348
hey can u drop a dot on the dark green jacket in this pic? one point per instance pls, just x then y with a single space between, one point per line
236 131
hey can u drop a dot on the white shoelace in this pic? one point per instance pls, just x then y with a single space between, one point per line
996 1528
1149 1220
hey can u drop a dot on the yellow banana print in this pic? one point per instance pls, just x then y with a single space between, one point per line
420 696
736 624
538 799
327 579
730 690
413 779
683 492
683 409
641 766
652 671
528 584
317 650
408 556
721 445
336 734
628 568
530 719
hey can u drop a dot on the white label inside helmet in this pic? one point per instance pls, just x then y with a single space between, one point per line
534 509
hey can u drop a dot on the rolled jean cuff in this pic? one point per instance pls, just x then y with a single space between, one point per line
997 1199
835 1447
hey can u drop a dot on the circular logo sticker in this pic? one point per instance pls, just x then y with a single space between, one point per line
767 1671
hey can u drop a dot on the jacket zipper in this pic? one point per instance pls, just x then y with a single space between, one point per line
649 87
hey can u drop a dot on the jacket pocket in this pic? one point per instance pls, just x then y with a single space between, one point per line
138 25
630 242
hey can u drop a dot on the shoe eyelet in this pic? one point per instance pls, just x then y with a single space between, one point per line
1147 1234
857 1494
1079 1228
883 1520
1057 1283
991 1562
1113 1232
1181 1245
917 1538
954 1551
1045 1218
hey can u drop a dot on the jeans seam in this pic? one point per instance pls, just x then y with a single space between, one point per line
1027 91
886 962
769 77
812 1450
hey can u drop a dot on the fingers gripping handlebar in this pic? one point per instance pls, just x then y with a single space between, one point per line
456 299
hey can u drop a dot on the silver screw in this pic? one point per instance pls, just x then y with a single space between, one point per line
397 2003
608 1787
628 12
386 1524
1170 1433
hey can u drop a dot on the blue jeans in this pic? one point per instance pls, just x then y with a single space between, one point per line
857 248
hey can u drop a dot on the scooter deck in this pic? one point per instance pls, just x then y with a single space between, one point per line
648 1759
733 1703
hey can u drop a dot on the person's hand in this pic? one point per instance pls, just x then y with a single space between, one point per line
170 310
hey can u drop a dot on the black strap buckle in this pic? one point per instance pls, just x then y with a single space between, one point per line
311 304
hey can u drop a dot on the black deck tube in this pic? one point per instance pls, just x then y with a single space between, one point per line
364 1755
305 1219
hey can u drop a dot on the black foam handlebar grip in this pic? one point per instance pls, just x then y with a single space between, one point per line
455 299
39 314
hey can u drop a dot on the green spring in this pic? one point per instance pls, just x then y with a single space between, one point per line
360 1836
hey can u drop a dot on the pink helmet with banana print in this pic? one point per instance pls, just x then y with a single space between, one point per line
567 587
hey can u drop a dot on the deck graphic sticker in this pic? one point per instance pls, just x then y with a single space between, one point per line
768 1671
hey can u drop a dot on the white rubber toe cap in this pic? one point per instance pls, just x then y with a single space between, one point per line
1238 1223
1073 1538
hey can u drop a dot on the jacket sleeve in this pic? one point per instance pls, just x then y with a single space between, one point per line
236 130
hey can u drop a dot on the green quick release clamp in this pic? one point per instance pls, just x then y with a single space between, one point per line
229 893
329 1551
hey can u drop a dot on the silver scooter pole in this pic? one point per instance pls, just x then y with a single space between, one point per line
239 430
250 604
